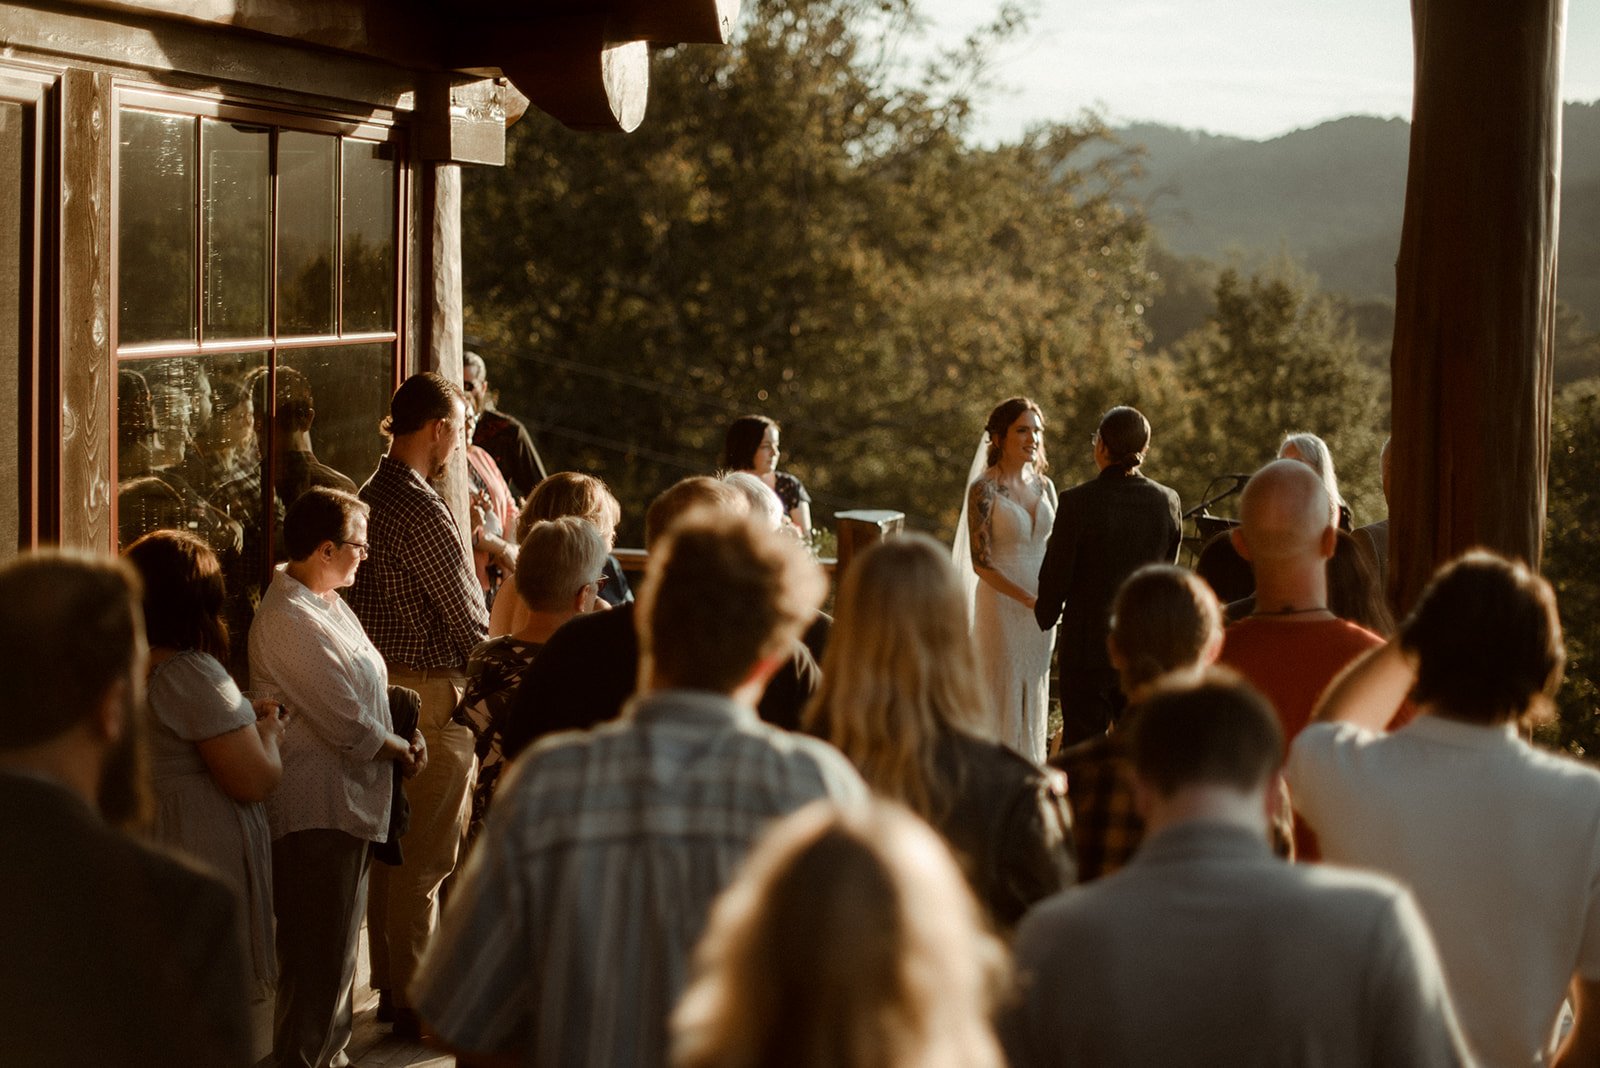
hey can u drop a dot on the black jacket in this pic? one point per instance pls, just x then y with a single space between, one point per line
1106 529
111 952
589 668
1008 823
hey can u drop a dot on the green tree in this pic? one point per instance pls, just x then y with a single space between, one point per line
1277 357
1569 561
795 231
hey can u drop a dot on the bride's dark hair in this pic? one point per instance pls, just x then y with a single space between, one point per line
1007 412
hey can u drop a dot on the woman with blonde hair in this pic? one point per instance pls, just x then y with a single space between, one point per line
848 941
900 697
562 494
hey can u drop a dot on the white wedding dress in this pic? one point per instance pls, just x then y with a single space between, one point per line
1013 653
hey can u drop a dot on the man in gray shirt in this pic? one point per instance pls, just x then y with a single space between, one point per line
570 938
1207 949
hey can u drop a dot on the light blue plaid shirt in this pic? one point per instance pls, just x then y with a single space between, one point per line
570 938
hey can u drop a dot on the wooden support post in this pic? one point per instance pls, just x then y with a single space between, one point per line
1475 291
85 370
439 211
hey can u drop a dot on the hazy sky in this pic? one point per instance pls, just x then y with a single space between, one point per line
1256 68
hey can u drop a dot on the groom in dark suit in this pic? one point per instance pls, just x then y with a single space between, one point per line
1106 529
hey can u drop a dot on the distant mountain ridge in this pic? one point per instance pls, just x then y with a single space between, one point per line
1333 196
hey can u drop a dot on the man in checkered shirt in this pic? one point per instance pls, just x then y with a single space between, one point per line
420 602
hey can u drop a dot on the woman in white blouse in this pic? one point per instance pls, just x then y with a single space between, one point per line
309 651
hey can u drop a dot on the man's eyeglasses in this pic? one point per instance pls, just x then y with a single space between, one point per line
364 548
599 583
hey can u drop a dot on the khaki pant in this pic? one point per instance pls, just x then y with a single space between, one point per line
403 902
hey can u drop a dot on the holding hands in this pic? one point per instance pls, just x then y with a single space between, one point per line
272 719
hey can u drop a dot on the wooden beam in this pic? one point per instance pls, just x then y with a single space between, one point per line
384 30
656 21
84 269
679 22
569 68
162 49
1475 291
464 119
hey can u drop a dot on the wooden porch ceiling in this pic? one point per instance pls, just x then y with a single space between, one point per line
585 62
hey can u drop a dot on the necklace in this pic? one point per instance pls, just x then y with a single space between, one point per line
1291 611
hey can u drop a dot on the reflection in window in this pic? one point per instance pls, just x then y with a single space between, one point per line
238 225
368 227
157 227
343 438
188 459
187 424
308 233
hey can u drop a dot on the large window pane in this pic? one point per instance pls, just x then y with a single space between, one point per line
156 232
238 214
307 232
369 246
348 388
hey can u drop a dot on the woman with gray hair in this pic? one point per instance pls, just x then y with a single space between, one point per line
1314 453
560 572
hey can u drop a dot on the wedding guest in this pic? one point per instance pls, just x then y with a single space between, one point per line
751 445
112 951
1207 949
562 494
558 576
900 698
849 940
568 941
214 756
1496 838
308 650
1165 624
1315 454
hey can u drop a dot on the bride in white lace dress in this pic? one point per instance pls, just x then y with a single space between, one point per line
1010 508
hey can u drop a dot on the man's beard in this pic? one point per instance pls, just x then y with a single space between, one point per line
124 793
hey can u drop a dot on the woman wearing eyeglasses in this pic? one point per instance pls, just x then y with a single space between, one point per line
308 650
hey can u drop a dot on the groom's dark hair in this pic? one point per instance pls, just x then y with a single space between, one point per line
1125 433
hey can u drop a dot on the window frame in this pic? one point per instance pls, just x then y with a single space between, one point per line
37 423
377 127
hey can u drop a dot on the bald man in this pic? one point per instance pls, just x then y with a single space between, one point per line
1291 646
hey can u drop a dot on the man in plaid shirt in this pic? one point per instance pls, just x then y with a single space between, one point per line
420 602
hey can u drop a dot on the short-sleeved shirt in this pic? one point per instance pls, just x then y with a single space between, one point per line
570 938
314 656
193 699
416 593
790 490
1498 841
